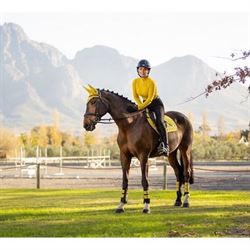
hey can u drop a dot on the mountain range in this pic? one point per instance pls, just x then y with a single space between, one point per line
37 81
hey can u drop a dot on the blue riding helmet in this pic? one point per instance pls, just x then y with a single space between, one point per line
144 63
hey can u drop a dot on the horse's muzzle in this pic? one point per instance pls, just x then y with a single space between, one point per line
89 127
88 124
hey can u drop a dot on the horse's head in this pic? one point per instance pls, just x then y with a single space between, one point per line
96 108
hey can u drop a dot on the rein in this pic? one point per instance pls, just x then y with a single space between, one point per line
110 120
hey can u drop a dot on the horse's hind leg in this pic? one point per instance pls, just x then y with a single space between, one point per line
178 169
125 162
144 169
186 157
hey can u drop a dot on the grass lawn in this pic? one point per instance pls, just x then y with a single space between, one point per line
90 213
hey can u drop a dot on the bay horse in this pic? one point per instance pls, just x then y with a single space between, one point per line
136 138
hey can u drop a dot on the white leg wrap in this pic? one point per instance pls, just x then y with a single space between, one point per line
121 205
186 198
146 206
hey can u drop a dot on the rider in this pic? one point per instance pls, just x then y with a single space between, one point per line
145 87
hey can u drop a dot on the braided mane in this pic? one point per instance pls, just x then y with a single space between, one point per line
125 99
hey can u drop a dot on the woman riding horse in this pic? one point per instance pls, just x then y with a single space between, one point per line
144 87
136 138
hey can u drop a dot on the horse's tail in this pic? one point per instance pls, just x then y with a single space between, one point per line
191 179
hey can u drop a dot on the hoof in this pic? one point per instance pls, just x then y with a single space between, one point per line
185 204
119 211
178 203
146 211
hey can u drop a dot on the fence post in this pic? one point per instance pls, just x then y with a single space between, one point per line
88 159
104 156
61 159
164 175
16 162
46 156
37 152
109 158
38 176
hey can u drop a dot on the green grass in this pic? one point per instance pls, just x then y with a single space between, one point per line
90 213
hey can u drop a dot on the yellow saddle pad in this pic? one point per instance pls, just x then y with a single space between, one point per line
171 126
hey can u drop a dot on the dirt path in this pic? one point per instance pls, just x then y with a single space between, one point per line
224 178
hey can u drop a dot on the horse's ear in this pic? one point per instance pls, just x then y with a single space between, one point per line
94 91
91 90
86 88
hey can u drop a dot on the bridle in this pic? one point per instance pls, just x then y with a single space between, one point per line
98 117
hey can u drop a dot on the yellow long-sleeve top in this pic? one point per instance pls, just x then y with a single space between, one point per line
146 89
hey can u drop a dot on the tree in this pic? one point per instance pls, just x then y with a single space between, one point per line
38 136
24 139
221 127
89 140
42 138
8 142
55 137
204 128
240 75
233 136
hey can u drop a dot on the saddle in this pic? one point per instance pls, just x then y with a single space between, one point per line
171 125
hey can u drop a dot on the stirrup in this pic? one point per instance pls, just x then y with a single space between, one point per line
162 149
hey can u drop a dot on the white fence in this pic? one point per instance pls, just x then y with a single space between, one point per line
91 160
101 161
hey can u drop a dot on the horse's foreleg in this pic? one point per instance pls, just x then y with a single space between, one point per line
125 161
146 198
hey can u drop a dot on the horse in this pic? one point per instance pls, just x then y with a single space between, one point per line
136 138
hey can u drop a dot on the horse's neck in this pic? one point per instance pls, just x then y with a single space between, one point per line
118 111
116 105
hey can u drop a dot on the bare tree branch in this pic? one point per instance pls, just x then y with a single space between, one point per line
191 98
236 56
240 76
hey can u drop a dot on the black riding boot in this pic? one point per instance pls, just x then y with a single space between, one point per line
158 108
163 148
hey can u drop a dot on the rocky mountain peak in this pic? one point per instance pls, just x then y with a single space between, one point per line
13 31
36 79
